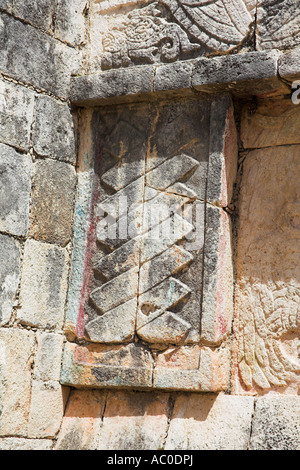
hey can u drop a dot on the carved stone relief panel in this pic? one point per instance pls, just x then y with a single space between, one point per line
150 301
267 299
126 32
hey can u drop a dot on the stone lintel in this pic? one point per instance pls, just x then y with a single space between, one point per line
245 74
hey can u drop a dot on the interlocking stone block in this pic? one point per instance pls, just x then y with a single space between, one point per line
16 356
70 21
15 178
16 114
30 56
210 422
53 133
276 424
273 122
9 276
82 420
134 421
52 201
43 290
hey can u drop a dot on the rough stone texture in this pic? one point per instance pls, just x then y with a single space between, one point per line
289 67
134 421
33 57
39 13
16 114
15 179
48 356
70 21
210 422
52 201
14 443
16 356
278 24
82 421
43 290
276 424
268 289
273 122
53 133
9 276
48 401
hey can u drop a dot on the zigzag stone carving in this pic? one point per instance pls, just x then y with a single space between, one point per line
150 236
167 30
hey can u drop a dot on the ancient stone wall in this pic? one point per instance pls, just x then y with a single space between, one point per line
186 340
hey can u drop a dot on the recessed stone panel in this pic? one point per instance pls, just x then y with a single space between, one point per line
149 240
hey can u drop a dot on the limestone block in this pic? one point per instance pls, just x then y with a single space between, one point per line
278 24
30 56
15 177
276 424
17 348
38 13
289 68
70 21
43 290
267 292
16 114
6 4
210 422
15 443
217 306
52 201
48 356
134 421
9 276
53 132
48 401
82 421
273 122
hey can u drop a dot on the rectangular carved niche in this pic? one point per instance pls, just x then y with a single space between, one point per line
150 298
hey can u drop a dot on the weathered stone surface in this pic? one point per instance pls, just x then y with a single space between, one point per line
217 305
289 67
16 356
223 152
9 276
16 114
103 366
251 73
14 443
176 76
267 291
15 178
47 407
206 371
273 122
82 421
210 422
278 24
144 284
47 362
70 21
276 424
53 133
52 201
43 290
33 57
175 30
39 13
134 421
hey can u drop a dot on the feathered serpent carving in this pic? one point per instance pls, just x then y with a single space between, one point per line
184 25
